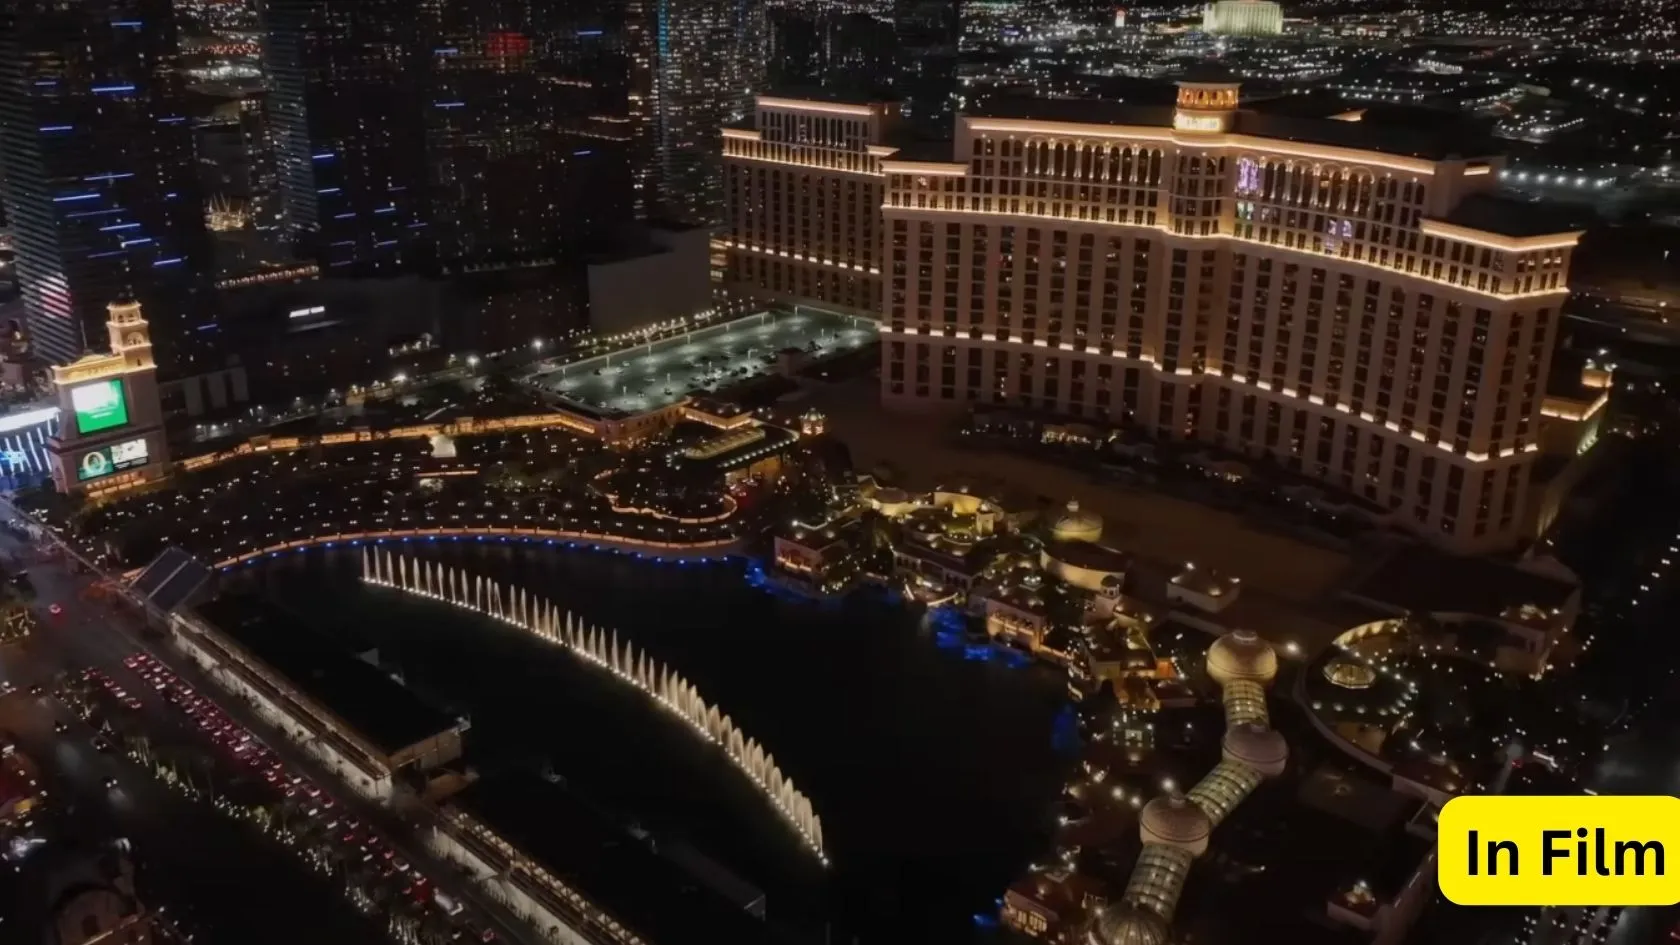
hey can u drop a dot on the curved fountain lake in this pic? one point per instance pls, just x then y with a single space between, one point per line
933 774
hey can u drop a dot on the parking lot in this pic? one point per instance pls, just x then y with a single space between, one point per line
653 375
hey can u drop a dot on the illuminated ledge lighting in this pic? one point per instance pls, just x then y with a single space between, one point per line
542 619
743 134
797 257
1566 410
1515 244
801 105
888 209
1262 146
1184 373
805 165
27 418
925 168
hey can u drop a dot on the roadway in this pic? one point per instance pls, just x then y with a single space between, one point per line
90 633
187 854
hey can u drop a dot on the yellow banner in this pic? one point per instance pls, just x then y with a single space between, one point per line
1560 851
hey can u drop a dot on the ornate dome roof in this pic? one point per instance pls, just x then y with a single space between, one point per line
1128 925
1256 746
1076 525
1175 821
1241 654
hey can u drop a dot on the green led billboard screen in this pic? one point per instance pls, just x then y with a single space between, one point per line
99 406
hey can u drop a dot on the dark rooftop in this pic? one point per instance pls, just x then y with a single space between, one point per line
617 871
1565 379
1406 137
1084 555
1421 135
1418 579
379 709
171 578
837 96
1507 216
1090 111
1283 854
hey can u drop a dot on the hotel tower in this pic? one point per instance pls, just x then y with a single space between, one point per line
1348 299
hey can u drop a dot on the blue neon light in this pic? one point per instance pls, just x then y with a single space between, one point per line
142 241
210 327
589 32
386 210
171 120
52 128
93 213
111 176
582 153
111 89
329 190
341 262
447 51
343 216
415 226
345 243
385 243
323 156
127 24
450 104
119 226
114 252
68 198
171 261
171 195
45 83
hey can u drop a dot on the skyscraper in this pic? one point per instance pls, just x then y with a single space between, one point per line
697 65
929 36
525 156
478 132
350 82
99 173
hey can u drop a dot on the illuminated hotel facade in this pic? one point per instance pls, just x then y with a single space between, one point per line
1242 18
803 191
1372 319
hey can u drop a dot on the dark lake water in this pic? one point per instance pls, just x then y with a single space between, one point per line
933 773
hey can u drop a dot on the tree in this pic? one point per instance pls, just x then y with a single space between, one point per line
17 622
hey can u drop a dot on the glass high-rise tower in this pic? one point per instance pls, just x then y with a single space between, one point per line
472 132
100 183
700 62
349 81
526 128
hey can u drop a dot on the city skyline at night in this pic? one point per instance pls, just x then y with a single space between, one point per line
1009 472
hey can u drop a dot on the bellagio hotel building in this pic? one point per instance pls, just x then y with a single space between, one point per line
1353 302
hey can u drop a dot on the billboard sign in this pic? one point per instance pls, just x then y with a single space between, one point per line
99 406
99 463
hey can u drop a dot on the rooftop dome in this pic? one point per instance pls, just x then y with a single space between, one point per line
1257 747
1241 654
1349 674
1128 925
1175 821
1076 525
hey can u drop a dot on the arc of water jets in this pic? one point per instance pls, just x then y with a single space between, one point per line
603 648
